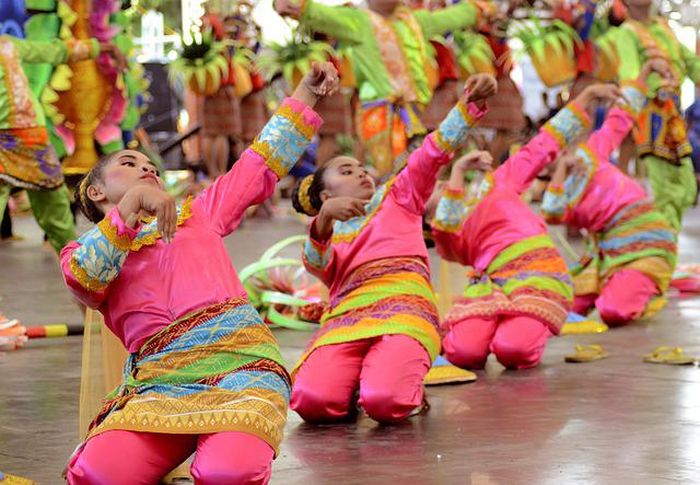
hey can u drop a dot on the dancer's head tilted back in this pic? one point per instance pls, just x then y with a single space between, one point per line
341 177
111 178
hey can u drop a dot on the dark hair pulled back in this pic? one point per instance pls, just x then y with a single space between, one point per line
306 197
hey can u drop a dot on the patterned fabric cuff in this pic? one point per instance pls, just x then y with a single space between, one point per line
316 254
575 186
568 124
556 189
452 132
635 96
102 252
115 230
285 136
450 211
554 204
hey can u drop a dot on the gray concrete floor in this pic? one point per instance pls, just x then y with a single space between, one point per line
615 421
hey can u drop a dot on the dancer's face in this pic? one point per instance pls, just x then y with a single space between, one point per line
384 7
125 169
346 177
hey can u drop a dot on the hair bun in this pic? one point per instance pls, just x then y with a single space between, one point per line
303 196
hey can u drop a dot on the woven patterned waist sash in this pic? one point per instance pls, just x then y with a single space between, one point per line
218 369
528 278
637 237
387 296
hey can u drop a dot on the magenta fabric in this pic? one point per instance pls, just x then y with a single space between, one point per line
625 296
501 219
518 342
160 283
387 371
610 190
395 229
583 303
120 457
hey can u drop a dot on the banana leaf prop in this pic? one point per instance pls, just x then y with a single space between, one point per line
550 47
203 64
474 54
607 57
294 59
278 287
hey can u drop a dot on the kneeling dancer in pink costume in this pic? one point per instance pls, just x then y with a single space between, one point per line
379 334
519 291
633 250
205 374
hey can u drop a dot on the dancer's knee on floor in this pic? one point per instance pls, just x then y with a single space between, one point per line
318 404
233 471
519 342
388 405
616 316
513 355
464 351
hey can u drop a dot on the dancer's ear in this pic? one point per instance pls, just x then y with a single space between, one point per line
96 193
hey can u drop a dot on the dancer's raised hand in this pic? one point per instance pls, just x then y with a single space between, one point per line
480 87
477 160
599 94
153 201
321 81
337 209
662 68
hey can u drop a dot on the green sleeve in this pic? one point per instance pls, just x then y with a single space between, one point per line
38 52
343 23
692 64
628 50
438 22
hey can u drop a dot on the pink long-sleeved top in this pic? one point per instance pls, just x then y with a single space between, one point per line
140 284
392 226
500 218
591 198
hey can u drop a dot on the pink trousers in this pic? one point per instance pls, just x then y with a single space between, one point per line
137 458
624 297
517 342
388 371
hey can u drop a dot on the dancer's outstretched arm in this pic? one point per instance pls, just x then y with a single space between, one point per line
453 209
274 152
414 184
348 24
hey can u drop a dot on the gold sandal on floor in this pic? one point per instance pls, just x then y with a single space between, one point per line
586 353
442 372
669 356
583 327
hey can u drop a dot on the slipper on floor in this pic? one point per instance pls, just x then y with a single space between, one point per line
578 324
442 372
669 356
584 327
586 353
7 479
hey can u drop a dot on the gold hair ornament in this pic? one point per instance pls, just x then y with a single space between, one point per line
304 198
